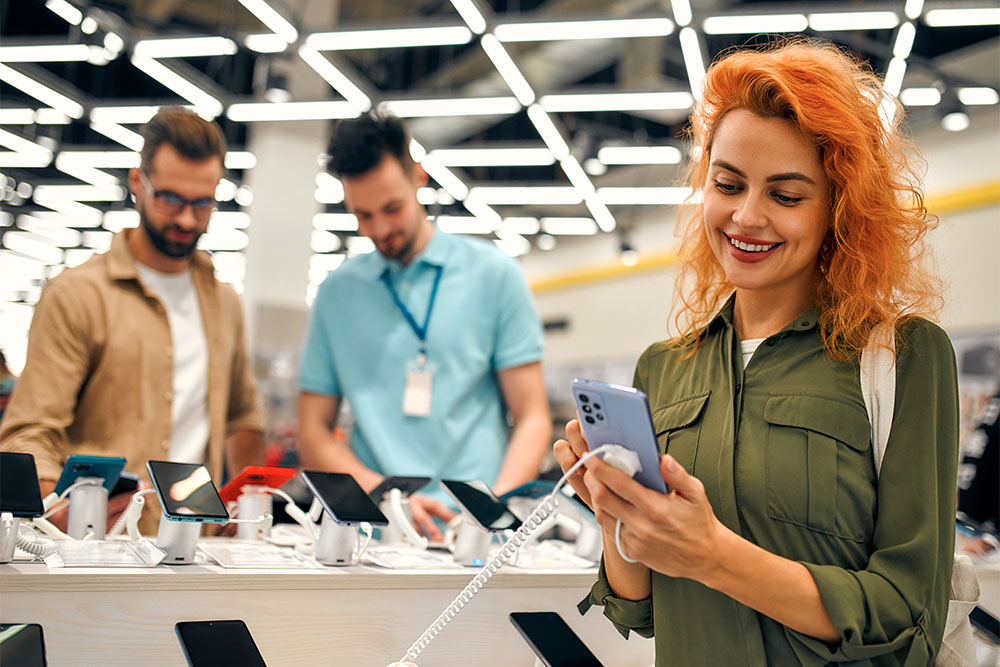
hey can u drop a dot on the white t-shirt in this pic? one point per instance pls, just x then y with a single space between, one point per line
748 347
189 403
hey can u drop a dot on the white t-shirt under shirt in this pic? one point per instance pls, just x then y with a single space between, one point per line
189 401
748 347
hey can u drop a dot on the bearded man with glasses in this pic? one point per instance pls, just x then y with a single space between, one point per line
140 352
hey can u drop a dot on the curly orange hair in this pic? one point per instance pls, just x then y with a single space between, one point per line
870 264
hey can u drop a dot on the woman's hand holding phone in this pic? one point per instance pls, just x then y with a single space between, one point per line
568 452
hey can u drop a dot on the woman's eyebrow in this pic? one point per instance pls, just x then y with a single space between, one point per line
789 176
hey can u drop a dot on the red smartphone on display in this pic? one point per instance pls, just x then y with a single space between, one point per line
271 476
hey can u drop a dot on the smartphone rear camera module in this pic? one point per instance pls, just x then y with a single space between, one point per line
587 409
600 417
589 419
597 406
584 398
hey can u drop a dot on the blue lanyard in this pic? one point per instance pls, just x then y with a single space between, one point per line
417 329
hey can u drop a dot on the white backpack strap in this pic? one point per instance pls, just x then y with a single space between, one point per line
878 385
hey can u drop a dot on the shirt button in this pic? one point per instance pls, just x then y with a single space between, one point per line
772 341
738 386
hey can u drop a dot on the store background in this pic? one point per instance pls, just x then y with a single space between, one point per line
281 225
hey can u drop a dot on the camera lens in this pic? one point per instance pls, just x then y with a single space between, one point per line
587 408
584 398
589 419
597 406
600 417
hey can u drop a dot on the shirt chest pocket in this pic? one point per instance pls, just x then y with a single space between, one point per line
678 428
819 467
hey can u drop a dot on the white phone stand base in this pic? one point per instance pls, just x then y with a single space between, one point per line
254 502
336 543
178 539
88 509
8 536
589 541
472 544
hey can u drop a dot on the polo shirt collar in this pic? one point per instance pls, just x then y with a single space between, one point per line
121 263
724 318
436 253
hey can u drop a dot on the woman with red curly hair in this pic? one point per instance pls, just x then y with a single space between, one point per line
780 543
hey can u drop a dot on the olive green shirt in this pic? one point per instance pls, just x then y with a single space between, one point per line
783 448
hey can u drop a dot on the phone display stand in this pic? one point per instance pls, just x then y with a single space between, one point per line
254 501
400 529
88 508
472 544
589 542
8 536
179 539
336 543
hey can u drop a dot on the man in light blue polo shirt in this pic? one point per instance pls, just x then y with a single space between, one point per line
423 338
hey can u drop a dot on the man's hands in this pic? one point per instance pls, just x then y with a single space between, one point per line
424 509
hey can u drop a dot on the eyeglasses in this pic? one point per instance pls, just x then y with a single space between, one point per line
171 203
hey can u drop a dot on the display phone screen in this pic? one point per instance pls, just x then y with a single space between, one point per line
19 492
128 482
107 468
272 476
478 501
344 498
22 645
554 642
613 414
186 492
213 643
407 486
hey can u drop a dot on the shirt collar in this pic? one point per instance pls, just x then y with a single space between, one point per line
436 253
121 263
804 322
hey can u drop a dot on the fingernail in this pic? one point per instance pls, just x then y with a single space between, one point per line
671 463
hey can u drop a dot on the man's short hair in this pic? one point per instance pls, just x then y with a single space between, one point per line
191 135
358 145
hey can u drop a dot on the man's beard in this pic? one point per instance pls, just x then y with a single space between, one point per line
163 245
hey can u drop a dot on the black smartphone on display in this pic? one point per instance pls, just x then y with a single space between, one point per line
186 492
554 642
406 485
19 491
22 645
343 498
478 501
987 624
213 643
128 482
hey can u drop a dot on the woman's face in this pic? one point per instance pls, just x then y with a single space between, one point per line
767 204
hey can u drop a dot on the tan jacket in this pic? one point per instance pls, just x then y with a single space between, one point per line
99 371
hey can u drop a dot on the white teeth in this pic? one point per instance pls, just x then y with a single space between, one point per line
749 247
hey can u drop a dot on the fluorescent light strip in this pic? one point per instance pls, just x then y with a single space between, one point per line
101 159
45 53
336 222
694 62
548 131
233 219
639 155
643 195
894 74
508 69
25 153
682 11
184 47
82 215
747 25
520 225
17 116
333 76
481 210
617 101
546 31
40 92
913 9
271 111
272 19
465 224
265 43
133 114
469 106
569 226
920 97
843 21
493 157
978 96
601 214
945 18
65 11
527 195
95 192
240 160
904 40
122 135
51 117
445 178
389 38
20 144
206 105
470 13
85 172
574 172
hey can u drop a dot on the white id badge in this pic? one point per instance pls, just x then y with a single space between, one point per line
417 393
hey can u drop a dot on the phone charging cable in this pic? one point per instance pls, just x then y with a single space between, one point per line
546 507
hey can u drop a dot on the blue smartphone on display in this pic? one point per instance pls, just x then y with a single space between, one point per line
109 468
613 414
186 492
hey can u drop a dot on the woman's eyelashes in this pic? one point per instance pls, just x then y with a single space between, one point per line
732 189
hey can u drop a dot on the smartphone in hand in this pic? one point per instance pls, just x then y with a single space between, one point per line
213 643
554 642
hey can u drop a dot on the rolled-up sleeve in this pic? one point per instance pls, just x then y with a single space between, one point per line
626 615
898 603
